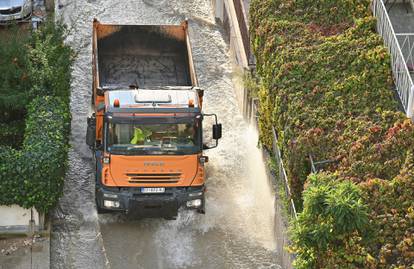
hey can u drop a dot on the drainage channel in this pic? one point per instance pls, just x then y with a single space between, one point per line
237 231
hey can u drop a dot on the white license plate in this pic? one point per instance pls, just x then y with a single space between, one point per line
152 190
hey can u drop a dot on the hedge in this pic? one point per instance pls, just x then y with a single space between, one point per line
12 133
34 105
50 62
326 87
33 176
14 83
30 65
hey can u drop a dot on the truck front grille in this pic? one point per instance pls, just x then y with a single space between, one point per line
11 11
153 178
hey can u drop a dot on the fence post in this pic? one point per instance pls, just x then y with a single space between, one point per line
410 105
246 97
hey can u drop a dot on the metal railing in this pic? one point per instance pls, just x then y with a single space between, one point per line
317 166
401 74
282 176
284 206
254 112
406 42
287 204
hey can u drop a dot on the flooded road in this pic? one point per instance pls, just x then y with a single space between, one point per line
236 232
238 228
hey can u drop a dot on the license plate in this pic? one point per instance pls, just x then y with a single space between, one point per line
152 190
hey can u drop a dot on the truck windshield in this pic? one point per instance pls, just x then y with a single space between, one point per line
154 139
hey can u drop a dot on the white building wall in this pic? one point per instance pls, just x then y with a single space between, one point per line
17 216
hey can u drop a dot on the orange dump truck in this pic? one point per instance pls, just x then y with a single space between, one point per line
147 127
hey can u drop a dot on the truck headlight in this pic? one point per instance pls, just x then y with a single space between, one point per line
194 203
111 204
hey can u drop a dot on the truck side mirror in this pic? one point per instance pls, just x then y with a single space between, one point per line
217 131
91 132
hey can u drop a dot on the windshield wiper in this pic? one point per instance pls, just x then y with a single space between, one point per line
149 147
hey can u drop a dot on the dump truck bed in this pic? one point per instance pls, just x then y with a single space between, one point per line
142 55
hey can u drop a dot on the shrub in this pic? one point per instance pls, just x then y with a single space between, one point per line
331 226
31 65
11 134
34 175
14 80
50 62
14 86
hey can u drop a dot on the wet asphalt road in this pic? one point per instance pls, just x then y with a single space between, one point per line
238 228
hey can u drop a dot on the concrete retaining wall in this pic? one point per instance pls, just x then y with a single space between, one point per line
225 14
17 220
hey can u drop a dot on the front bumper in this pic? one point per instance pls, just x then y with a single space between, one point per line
135 203
22 16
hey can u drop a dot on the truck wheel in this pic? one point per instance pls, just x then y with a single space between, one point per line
201 211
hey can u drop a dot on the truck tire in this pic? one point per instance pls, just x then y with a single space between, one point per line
201 211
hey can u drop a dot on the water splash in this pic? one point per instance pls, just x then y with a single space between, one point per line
236 232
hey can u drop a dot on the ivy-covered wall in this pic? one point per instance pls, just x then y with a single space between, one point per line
35 117
326 87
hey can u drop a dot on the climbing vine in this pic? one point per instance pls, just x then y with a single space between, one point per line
326 87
